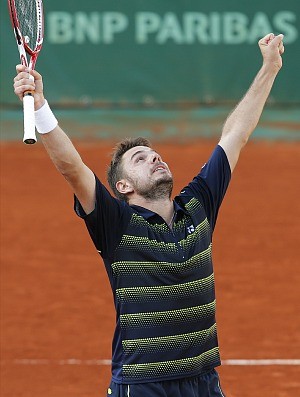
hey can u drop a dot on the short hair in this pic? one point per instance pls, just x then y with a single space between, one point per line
115 171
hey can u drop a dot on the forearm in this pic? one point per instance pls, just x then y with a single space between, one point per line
57 144
244 118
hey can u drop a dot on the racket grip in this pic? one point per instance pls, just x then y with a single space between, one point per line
29 118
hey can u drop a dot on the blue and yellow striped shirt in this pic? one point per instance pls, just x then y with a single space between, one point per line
162 279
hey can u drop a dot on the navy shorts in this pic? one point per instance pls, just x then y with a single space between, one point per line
206 385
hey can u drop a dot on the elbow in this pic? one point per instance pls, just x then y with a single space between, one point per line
67 169
243 140
236 138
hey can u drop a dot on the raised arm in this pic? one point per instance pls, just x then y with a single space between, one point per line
58 145
243 120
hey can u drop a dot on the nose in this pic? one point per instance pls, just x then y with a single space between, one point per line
155 158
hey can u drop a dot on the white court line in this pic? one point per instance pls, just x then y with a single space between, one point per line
276 361
106 362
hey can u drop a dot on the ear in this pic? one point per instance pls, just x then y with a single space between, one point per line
124 186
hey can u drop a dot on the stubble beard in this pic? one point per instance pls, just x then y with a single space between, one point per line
160 189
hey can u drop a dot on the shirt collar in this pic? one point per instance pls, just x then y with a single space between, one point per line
147 214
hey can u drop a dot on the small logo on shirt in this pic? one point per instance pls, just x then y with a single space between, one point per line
190 229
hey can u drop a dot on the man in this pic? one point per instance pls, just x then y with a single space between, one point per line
157 251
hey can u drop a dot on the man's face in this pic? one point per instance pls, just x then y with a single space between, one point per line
148 174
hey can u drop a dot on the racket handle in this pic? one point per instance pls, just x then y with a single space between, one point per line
29 119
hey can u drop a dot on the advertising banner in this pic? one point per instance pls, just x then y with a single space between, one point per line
156 53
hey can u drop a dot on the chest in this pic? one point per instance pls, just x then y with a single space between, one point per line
146 241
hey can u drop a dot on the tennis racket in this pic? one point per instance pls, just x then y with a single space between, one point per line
28 24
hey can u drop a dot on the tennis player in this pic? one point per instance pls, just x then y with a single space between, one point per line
157 250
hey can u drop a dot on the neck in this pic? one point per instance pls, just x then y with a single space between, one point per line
162 207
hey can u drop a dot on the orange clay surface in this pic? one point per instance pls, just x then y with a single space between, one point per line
57 316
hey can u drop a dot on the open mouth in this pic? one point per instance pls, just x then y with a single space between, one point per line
159 168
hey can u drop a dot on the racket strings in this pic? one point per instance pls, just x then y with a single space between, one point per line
28 17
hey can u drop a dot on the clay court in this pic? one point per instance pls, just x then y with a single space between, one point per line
57 312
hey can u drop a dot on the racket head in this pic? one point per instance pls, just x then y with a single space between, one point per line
27 18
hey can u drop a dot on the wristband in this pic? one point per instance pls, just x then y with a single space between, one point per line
45 121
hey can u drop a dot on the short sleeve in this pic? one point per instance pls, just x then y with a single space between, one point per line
107 222
211 184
